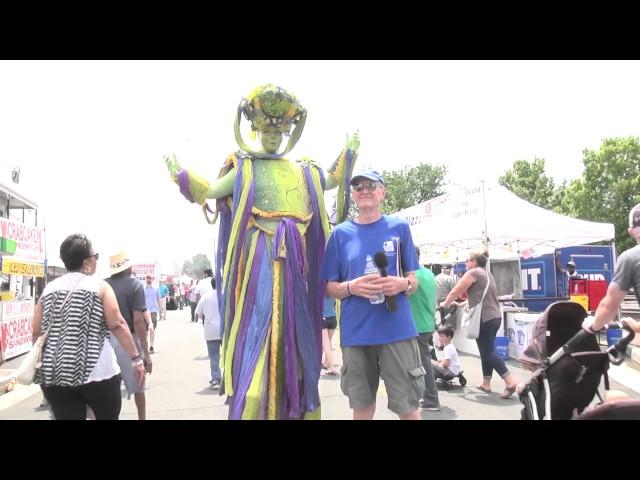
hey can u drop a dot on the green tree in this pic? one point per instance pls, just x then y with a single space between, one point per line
411 185
196 266
529 182
609 187
187 268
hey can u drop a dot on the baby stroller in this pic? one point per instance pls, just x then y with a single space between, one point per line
567 381
446 317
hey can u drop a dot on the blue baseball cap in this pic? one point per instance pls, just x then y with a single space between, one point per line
368 174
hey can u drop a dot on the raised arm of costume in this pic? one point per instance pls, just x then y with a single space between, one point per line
196 188
339 174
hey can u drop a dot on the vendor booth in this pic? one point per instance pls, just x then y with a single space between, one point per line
22 267
448 227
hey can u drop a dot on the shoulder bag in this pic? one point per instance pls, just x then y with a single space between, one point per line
472 316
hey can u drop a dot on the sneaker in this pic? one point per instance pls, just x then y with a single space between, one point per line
151 350
431 409
215 386
435 408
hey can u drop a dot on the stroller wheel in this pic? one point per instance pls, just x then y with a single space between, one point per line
462 380
447 385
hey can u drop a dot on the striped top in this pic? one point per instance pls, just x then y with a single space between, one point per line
78 337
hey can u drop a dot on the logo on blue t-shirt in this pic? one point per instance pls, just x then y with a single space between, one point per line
388 246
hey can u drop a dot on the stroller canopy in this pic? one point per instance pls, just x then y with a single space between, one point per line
559 322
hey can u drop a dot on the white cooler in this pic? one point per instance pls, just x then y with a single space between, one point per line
465 345
520 331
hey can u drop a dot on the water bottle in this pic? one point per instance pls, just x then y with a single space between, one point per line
371 268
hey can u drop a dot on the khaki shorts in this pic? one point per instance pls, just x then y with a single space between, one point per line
399 366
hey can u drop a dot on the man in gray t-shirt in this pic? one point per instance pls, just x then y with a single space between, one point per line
444 283
627 275
129 292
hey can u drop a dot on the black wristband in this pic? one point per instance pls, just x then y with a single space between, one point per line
592 330
137 357
348 289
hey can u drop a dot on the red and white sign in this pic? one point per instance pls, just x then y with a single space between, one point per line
16 328
141 270
29 240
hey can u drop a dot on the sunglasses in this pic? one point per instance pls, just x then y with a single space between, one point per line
371 186
148 278
95 255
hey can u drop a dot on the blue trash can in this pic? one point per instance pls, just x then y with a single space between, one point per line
613 336
502 347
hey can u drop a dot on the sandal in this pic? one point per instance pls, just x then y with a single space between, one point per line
508 392
482 387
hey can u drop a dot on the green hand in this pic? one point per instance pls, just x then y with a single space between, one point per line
173 166
353 141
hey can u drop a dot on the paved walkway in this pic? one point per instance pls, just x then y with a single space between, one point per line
178 388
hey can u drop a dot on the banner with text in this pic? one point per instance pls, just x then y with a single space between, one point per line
29 241
18 267
141 270
16 328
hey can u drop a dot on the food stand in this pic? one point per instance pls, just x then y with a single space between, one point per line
22 265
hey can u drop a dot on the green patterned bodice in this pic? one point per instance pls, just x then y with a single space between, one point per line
280 191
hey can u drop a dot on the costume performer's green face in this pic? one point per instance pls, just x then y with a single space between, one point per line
271 138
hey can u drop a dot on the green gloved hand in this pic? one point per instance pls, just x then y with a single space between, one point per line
173 166
353 141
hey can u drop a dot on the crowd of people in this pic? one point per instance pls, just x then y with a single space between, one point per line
289 283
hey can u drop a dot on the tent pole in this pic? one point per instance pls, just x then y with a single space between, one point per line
486 234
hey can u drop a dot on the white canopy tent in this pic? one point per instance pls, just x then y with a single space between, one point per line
447 227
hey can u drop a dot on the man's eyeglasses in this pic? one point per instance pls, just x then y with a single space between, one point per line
371 186
148 278
95 255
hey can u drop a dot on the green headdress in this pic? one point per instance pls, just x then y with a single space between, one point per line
270 106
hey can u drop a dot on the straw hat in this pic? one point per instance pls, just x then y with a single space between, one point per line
119 262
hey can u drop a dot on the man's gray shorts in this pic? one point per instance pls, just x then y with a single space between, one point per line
400 367
127 371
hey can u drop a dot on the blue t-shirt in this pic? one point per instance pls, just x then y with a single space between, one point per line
329 307
363 323
151 298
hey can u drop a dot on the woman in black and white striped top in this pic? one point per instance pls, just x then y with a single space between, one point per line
79 366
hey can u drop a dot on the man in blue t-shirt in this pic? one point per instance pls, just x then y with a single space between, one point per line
376 339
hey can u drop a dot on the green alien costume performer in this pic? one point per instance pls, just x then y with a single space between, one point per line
273 229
